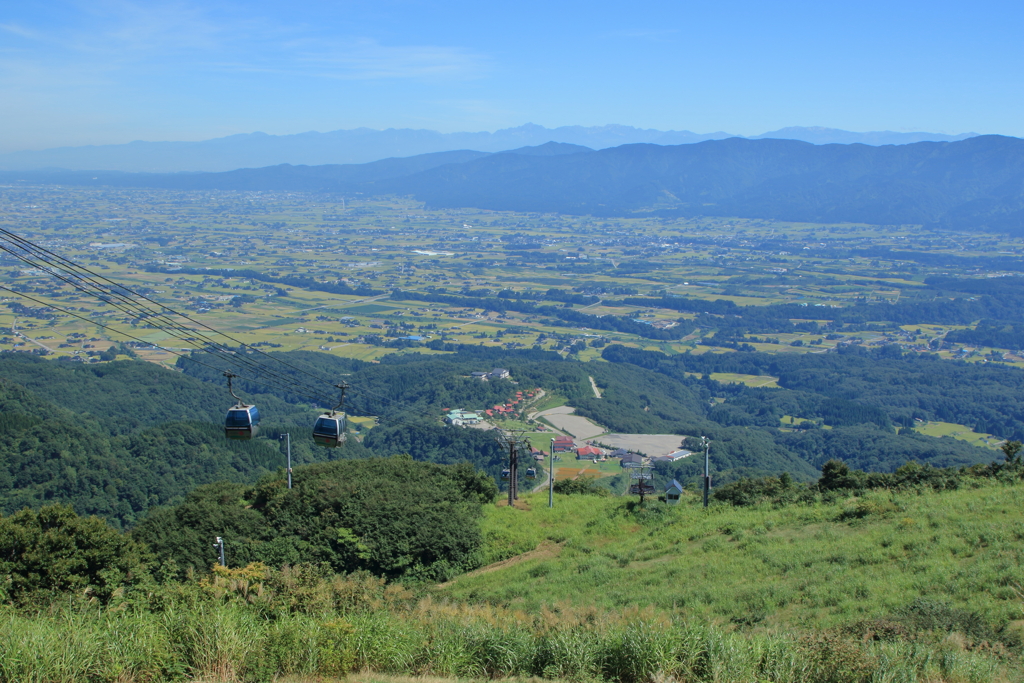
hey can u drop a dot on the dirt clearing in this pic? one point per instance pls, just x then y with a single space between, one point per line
651 445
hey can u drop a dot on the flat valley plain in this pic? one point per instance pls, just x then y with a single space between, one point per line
365 277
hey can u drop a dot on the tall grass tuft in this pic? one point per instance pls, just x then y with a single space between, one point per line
227 640
639 651
84 647
213 641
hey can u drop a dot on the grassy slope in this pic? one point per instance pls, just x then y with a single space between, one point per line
795 567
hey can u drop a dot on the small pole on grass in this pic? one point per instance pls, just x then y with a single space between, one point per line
219 544
706 442
551 474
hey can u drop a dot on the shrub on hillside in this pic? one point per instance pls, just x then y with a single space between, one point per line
583 486
838 478
393 517
52 550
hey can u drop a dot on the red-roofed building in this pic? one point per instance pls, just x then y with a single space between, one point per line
588 452
563 444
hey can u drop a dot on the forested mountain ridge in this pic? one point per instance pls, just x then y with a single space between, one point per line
365 145
972 184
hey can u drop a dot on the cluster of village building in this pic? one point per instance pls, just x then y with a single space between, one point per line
461 418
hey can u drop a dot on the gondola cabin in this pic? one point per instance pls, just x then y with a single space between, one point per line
531 473
329 429
242 422
505 473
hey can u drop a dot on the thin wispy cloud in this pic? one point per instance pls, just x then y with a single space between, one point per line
364 58
124 35
157 65
20 31
647 34
162 26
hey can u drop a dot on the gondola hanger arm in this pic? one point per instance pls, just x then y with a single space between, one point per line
230 390
341 401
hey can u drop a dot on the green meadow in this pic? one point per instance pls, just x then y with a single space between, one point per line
794 567
916 588
958 431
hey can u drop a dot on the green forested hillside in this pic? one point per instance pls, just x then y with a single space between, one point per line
51 454
852 386
857 406
117 438
394 517
124 395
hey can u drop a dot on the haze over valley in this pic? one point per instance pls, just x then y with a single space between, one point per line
363 145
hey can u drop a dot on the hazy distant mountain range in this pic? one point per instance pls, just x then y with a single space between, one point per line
972 184
363 145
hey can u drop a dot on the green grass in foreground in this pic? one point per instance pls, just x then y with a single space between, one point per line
795 567
919 588
227 633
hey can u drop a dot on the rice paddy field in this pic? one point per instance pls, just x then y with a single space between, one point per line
958 431
198 253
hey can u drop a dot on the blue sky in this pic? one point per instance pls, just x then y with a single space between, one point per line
105 71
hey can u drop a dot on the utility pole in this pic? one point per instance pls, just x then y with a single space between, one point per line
706 443
513 441
219 544
551 474
288 446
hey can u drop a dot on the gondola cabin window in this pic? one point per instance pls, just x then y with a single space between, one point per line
329 430
243 418
242 422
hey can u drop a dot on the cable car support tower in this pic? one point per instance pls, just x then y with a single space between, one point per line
514 442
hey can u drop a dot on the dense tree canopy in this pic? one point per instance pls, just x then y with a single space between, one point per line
855 386
107 439
53 550
394 517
